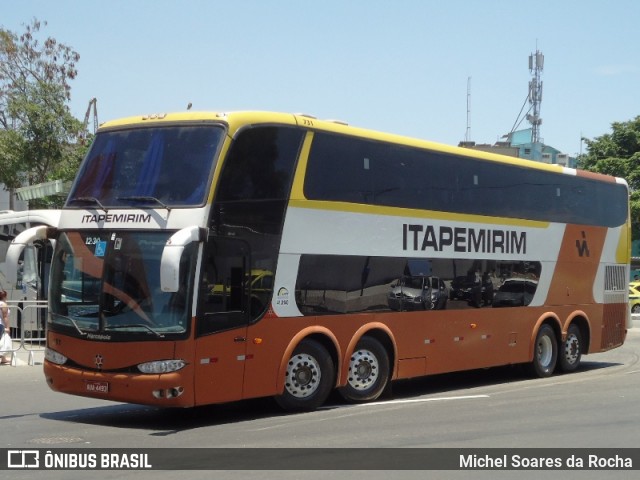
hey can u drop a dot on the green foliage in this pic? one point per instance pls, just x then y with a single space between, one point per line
38 134
618 153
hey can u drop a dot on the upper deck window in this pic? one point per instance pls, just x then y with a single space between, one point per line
161 166
357 170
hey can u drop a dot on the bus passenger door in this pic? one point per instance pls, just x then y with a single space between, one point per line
222 319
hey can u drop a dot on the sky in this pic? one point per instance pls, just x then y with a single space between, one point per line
432 69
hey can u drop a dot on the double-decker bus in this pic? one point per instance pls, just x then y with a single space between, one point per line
29 283
212 257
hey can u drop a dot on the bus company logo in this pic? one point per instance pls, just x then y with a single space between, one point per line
282 298
117 218
582 247
416 237
23 459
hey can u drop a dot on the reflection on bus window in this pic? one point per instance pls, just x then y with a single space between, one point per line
112 284
334 284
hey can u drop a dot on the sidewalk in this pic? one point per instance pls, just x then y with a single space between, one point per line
30 355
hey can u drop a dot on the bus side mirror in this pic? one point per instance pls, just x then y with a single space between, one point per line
171 255
18 244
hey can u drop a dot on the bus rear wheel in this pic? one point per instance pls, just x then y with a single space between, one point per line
309 379
545 352
571 350
368 371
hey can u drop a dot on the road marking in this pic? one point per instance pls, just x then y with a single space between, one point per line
401 402
421 400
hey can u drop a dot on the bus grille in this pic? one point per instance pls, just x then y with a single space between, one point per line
615 278
616 309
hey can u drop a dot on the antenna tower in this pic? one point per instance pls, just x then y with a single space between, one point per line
536 65
467 135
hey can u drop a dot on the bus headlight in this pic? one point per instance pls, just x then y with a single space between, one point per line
161 366
54 357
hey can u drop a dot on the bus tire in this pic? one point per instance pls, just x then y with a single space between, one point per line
571 350
545 352
368 371
310 377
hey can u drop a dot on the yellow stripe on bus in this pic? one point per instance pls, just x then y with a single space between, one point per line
410 212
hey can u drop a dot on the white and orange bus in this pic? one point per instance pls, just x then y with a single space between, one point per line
211 257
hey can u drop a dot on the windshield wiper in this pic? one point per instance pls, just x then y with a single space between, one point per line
93 200
83 333
136 325
137 198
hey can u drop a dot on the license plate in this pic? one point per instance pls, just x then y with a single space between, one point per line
97 387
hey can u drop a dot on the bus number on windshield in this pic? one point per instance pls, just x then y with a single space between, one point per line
92 240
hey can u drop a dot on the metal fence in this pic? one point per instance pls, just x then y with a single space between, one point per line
27 319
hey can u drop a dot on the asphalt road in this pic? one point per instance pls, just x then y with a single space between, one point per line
596 407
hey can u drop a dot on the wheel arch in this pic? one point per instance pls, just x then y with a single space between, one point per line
376 330
321 335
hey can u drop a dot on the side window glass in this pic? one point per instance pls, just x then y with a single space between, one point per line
334 284
260 164
224 285
249 206
352 169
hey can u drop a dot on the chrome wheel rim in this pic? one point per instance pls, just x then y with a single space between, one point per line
363 370
572 349
303 375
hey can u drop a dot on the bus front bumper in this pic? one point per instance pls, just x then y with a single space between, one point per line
164 390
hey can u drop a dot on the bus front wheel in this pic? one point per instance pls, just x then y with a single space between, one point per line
571 350
545 352
368 371
310 377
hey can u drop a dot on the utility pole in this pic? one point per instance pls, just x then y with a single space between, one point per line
92 106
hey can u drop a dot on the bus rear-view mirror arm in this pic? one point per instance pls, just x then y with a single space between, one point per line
172 253
41 232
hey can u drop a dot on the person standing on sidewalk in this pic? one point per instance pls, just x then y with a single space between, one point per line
6 345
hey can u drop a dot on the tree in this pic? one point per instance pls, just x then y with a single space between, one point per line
37 131
618 153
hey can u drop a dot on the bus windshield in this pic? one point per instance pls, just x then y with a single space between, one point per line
139 167
109 283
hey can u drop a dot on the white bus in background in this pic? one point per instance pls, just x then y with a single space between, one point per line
33 270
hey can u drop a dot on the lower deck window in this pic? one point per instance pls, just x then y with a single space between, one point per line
333 284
